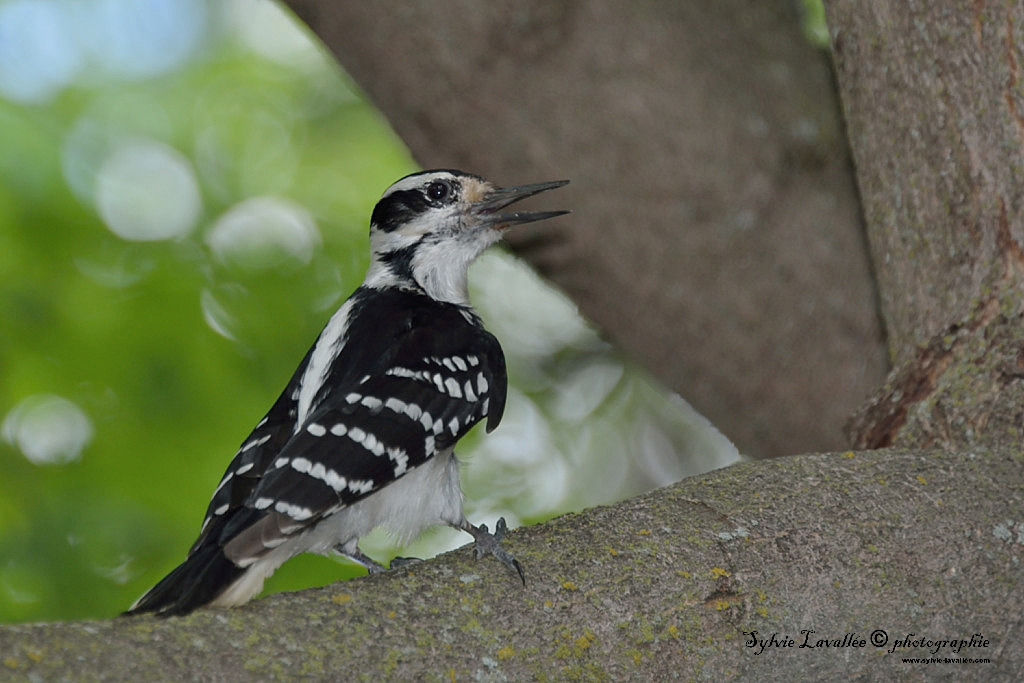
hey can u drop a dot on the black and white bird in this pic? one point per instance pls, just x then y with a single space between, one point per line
364 434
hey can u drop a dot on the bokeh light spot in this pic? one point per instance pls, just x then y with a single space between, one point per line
136 39
147 191
268 30
218 316
581 393
48 429
265 232
39 55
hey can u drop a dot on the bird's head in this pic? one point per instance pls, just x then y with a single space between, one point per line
430 226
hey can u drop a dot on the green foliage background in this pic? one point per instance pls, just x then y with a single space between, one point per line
122 329
170 398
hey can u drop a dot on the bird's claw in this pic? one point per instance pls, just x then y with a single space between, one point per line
490 544
399 562
371 565
359 558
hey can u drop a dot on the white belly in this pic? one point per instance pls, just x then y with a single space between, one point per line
427 496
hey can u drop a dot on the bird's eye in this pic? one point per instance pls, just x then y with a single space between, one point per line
439 191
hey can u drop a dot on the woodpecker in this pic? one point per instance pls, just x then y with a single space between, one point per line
364 433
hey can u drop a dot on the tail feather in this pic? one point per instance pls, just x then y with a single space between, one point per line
198 581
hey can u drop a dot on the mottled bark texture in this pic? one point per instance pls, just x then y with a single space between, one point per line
715 233
935 109
657 588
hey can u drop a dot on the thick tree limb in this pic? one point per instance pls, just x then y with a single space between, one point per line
655 588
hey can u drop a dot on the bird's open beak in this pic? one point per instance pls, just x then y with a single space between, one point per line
496 200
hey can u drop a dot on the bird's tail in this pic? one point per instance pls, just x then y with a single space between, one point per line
198 581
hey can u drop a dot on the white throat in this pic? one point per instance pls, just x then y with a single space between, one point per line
442 270
439 268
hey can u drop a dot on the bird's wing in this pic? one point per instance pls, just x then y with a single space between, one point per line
254 456
421 394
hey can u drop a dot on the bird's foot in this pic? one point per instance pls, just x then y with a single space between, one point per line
399 562
490 544
358 557
371 565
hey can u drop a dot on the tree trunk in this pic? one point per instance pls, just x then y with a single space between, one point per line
715 233
935 110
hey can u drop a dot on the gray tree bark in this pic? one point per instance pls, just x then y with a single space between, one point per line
715 233
935 108
658 588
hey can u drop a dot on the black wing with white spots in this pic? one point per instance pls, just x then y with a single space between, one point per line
435 376
388 423
427 373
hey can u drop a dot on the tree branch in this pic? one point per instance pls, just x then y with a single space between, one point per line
654 588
